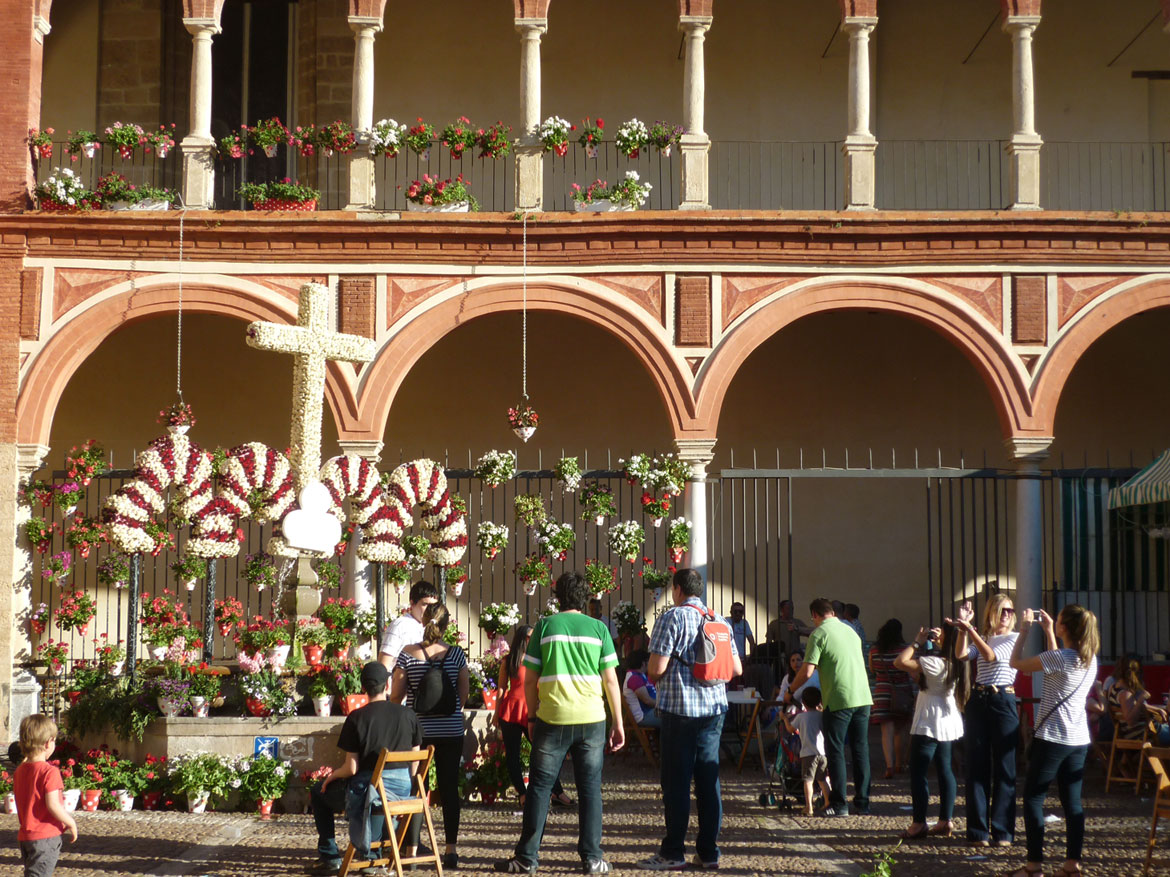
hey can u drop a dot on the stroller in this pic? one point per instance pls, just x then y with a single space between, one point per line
785 787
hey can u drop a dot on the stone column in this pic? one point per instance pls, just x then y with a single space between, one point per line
1024 149
361 163
695 145
198 146
530 152
698 453
1028 453
359 580
860 144
21 687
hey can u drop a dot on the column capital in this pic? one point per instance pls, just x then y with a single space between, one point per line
359 23
693 23
699 452
29 458
1029 449
369 449
41 28
858 24
530 27
1022 23
198 27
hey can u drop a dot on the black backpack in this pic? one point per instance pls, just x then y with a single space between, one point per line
435 695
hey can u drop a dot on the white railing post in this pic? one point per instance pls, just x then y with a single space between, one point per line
1024 148
361 164
198 146
860 144
529 152
695 146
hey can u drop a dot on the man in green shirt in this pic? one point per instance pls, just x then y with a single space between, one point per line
570 664
835 650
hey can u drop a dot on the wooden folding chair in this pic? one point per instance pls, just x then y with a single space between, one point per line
1120 744
406 809
755 731
643 734
1161 798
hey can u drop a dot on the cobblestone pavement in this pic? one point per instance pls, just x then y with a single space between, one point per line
756 840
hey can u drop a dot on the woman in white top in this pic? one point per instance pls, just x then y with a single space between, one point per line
784 692
937 724
1061 737
992 721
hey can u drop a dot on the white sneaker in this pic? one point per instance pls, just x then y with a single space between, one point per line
699 863
658 863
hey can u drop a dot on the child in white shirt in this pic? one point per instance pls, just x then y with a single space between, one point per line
813 764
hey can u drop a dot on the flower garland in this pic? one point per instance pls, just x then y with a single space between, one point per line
491 538
625 539
557 538
496 467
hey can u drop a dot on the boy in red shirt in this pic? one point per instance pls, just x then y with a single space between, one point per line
38 787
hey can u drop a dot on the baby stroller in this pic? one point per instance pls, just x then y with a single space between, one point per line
785 787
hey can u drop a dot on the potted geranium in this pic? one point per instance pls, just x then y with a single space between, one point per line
188 569
601 577
432 195
398 575
269 135
625 539
161 141
557 538
597 502
56 566
53 654
631 138
458 136
628 619
83 463
496 619
110 656
496 467
265 695
387 137
415 548
523 419
312 635
115 192
203 689
283 195
235 144
568 472
553 133
158 782
337 613
39 533
591 135
320 690
178 418
199 775
533 572
38 618
81 143
304 138
662 136
491 538
328 574
260 570
336 137
678 538
347 685
124 780
494 141
418 138
67 496
455 577
76 611
63 191
126 137
529 508
655 507
654 579
6 783
600 197
114 571
229 613
41 142
265 780
82 534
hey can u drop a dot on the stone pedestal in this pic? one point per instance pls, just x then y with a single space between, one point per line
301 601
1024 171
198 172
694 150
860 160
362 192
26 699
529 178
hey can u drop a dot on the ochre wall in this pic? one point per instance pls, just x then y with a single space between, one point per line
69 94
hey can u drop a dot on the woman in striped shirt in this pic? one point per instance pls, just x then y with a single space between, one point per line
1061 737
444 732
992 723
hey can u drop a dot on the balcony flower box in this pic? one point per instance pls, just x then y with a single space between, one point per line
284 204
284 195
144 204
432 195
602 206
451 207
599 197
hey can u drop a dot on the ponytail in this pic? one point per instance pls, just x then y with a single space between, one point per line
1083 631
435 621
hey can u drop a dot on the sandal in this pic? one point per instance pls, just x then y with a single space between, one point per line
918 835
562 801
940 829
1064 872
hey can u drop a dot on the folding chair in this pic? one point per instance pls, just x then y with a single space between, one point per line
407 808
643 734
1120 744
754 730
1161 799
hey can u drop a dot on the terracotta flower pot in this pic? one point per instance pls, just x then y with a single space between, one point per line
150 800
265 808
489 698
73 696
90 798
257 708
280 204
313 655
352 702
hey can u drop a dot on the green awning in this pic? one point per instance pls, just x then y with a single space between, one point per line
1152 484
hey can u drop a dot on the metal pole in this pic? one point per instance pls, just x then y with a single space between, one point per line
380 599
132 614
209 611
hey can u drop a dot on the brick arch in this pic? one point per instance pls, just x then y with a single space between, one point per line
88 325
1118 305
590 302
978 340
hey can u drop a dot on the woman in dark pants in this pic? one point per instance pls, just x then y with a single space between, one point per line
1061 738
511 716
992 721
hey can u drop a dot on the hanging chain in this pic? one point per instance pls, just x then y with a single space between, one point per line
179 339
524 314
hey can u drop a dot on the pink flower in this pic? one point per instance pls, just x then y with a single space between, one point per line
427 199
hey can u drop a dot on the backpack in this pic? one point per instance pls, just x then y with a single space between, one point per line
435 695
713 662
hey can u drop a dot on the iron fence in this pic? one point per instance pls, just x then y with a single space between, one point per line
941 175
776 176
611 166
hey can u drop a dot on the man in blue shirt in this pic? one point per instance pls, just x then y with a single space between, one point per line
692 723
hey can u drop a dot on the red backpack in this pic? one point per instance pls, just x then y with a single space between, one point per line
714 662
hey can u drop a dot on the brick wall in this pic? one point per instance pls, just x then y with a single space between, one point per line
356 306
30 303
130 70
20 71
324 61
1030 310
692 325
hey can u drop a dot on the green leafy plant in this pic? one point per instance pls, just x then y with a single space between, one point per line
82 142
534 570
529 508
568 472
200 772
458 136
347 678
601 577
597 502
883 864
189 567
263 196
433 192
260 570
266 778
269 133
328 574
654 578
204 684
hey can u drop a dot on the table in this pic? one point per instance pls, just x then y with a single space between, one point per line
739 698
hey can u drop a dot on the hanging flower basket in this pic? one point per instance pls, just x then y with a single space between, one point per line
523 420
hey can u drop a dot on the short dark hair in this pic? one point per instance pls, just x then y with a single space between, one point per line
822 607
636 659
786 602
572 591
420 590
689 581
811 697
852 611
838 607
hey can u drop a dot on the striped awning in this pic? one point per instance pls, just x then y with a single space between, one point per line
1152 484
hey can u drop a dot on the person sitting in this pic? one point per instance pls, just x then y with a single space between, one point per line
378 725
639 692
784 691
814 767
1127 700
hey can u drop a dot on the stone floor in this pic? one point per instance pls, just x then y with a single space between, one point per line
756 840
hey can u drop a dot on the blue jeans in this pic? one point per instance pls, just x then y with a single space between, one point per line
923 751
650 719
690 748
350 796
992 727
550 743
1066 764
836 725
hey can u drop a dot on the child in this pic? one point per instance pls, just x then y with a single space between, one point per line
813 764
38 787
